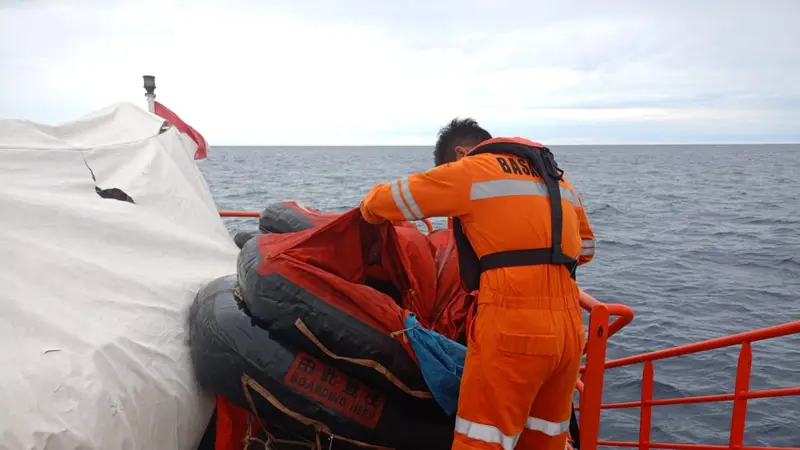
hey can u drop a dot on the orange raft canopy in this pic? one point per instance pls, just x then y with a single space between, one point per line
344 330
426 266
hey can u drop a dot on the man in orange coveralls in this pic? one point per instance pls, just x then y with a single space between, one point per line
527 338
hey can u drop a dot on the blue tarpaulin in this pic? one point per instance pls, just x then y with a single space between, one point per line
441 361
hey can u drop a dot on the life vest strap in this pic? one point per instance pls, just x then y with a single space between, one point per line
526 257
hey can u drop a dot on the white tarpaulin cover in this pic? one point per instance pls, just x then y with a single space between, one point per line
94 291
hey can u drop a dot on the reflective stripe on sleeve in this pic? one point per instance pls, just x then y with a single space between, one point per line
547 427
587 247
570 196
412 204
398 200
509 187
485 433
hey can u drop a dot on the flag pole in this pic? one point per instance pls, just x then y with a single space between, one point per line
150 92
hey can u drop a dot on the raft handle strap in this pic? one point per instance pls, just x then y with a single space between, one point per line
248 438
403 331
361 362
319 427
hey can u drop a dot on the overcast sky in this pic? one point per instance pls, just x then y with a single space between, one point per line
393 71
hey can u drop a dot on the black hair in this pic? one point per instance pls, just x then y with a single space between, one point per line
465 132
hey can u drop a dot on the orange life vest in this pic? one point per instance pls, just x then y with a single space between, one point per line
541 163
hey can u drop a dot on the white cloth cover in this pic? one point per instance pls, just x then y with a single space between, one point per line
94 292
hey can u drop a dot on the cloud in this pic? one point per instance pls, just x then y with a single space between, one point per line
392 72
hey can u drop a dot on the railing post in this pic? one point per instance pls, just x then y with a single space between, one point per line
593 377
646 410
739 416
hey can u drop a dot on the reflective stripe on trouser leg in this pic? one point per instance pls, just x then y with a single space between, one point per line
493 435
486 433
547 427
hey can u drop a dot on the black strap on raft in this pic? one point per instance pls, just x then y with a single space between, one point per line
543 163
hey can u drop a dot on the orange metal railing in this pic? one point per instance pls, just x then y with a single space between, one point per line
591 383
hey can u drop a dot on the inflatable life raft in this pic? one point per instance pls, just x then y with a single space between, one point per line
295 392
310 335
442 306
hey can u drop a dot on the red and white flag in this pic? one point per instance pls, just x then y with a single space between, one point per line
173 119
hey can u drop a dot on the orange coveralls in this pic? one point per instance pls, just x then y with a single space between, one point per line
524 351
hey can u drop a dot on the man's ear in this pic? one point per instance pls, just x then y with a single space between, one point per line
460 152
